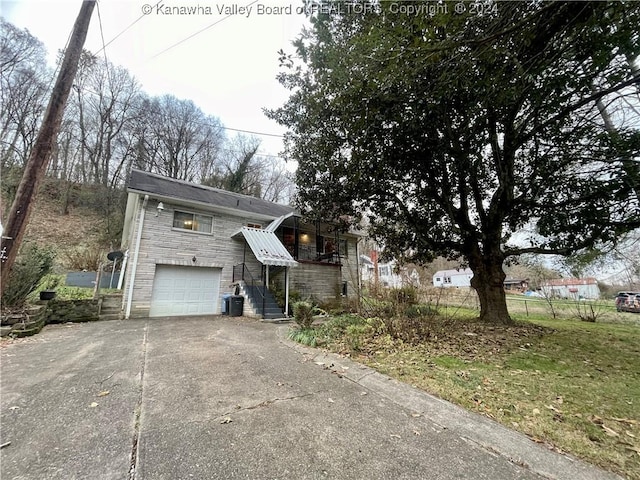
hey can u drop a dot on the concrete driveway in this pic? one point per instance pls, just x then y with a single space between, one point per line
227 398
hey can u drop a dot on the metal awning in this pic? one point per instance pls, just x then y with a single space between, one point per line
278 221
267 247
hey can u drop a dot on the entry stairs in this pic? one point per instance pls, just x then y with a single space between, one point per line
254 295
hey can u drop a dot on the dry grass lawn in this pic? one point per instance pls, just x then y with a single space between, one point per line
571 385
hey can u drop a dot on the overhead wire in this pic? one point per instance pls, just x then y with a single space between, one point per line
125 29
105 45
197 33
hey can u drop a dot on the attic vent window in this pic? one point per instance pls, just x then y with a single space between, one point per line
254 225
192 221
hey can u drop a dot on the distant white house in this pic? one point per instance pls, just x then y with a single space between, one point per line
388 273
574 288
453 278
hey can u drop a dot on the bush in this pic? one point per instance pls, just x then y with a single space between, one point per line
308 337
303 314
404 295
420 310
31 266
378 308
85 258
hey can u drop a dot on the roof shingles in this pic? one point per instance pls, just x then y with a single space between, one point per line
154 184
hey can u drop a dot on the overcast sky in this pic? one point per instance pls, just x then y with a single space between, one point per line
228 69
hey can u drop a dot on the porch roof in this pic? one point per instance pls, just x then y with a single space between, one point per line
267 247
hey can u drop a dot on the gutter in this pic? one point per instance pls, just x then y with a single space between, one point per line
136 252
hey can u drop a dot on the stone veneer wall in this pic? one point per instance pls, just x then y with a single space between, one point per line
34 318
61 311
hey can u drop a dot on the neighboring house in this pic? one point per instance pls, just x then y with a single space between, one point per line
188 245
389 274
516 285
573 288
462 278
453 278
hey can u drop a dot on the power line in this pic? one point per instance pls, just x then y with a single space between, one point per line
254 133
104 47
125 30
197 33
205 124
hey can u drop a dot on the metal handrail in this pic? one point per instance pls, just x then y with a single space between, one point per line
248 279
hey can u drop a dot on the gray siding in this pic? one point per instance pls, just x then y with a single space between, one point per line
162 244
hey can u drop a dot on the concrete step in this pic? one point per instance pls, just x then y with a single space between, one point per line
111 303
110 309
110 316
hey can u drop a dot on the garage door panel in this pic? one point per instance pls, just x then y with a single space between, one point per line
185 291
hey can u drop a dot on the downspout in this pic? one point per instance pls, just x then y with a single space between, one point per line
264 289
358 272
286 291
136 253
123 269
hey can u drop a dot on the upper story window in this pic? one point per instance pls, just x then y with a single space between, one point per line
384 270
192 221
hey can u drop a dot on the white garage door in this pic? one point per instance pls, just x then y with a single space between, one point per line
185 291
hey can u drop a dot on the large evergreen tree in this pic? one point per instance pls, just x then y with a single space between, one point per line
470 135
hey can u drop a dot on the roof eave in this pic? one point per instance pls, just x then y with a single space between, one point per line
204 205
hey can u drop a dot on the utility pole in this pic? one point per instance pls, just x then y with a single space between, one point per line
40 155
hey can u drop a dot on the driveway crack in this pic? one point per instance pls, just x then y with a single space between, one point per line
138 410
268 402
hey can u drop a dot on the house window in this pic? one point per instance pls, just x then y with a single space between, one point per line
192 221
384 271
438 279
254 225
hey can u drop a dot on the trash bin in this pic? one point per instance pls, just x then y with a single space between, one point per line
225 303
236 305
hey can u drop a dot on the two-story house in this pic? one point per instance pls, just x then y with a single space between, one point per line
187 245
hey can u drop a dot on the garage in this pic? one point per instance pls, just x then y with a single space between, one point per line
185 291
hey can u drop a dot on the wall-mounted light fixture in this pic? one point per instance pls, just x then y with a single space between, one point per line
160 208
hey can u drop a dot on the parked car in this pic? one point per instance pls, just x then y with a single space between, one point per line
628 302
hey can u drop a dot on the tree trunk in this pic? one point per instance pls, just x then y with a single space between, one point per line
488 282
40 155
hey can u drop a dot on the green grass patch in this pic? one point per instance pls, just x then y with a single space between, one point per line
447 361
571 384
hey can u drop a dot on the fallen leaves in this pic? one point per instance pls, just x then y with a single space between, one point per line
628 421
634 449
609 431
